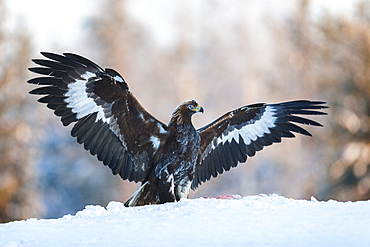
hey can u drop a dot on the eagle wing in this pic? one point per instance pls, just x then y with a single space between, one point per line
238 134
108 119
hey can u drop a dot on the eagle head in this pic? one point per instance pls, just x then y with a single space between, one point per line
191 107
184 111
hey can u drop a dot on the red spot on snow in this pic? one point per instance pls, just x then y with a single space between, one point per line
227 197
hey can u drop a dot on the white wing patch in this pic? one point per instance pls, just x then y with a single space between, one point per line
161 129
119 79
155 142
250 132
78 100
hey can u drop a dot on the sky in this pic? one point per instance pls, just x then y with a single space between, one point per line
60 23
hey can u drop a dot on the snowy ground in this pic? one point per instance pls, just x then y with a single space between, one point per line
249 221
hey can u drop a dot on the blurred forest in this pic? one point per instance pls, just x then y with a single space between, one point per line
218 60
19 196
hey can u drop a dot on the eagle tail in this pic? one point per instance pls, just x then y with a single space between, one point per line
136 198
153 191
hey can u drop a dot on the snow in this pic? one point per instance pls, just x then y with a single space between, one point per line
249 221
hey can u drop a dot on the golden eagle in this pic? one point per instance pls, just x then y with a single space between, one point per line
167 159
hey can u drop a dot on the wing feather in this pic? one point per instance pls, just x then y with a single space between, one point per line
107 118
241 157
238 134
250 150
114 164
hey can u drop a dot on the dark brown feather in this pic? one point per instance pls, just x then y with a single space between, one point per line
115 114
240 133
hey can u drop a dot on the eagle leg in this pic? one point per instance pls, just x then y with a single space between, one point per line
166 188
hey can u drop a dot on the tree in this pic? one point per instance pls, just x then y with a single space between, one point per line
329 58
345 50
19 198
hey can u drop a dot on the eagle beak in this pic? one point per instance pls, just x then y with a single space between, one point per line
199 109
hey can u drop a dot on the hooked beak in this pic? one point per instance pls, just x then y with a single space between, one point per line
199 108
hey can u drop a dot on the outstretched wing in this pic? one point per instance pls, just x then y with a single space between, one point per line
240 133
109 121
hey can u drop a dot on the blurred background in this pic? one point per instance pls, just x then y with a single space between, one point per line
224 54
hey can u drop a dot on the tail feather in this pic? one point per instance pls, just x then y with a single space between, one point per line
154 191
137 196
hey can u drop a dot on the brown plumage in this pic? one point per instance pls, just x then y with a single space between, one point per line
167 159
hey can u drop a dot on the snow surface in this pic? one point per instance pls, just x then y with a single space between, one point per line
249 221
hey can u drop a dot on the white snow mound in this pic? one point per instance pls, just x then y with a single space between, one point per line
249 221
